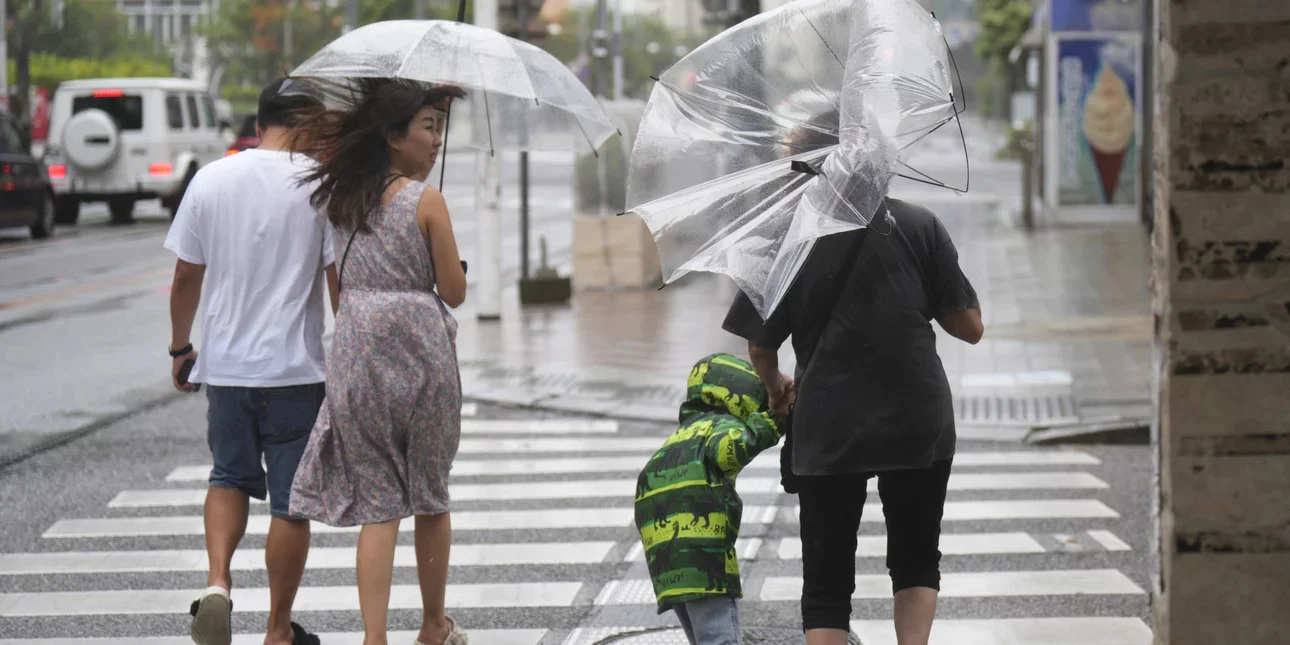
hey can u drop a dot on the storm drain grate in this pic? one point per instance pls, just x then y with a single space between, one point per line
1010 410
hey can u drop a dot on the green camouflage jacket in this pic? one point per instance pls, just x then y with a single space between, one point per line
687 510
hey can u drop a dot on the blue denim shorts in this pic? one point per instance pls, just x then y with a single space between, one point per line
249 424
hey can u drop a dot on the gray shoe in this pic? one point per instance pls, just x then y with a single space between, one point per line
455 635
212 620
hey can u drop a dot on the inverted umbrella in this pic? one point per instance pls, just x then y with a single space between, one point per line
520 97
729 184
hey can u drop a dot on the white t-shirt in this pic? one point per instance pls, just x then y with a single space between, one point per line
264 248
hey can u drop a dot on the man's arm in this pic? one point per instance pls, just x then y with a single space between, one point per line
778 384
185 295
333 287
964 325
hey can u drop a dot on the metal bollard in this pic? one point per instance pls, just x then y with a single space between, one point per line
1027 145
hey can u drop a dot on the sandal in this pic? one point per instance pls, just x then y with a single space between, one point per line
455 636
212 620
301 637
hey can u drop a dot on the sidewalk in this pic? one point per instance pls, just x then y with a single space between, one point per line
1068 331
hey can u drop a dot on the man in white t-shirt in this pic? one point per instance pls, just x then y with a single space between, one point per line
253 248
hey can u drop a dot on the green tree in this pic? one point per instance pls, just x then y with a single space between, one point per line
1002 22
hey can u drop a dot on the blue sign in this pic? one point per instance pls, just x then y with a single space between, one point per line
1095 15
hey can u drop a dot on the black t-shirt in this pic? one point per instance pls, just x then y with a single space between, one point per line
872 393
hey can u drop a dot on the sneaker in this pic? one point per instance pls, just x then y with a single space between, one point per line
213 618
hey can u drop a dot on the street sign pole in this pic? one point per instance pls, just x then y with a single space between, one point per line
4 57
351 16
488 205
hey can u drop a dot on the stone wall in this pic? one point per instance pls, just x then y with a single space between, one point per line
1221 289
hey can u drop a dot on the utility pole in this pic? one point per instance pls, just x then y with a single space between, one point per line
522 15
418 9
4 57
618 50
351 16
488 204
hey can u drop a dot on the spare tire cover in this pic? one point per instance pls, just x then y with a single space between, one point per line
91 140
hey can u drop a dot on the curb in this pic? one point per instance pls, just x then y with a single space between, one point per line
63 438
1135 432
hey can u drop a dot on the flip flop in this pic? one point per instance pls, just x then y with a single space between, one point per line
301 637
212 620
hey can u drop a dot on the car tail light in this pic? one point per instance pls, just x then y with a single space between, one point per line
160 169
9 187
58 171
231 152
107 94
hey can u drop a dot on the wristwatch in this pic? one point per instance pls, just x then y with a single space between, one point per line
182 351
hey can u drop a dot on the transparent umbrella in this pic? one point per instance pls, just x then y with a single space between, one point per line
783 129
519 97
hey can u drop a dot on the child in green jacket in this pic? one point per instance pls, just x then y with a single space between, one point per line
687 509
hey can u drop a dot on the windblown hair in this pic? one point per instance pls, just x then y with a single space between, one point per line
350 144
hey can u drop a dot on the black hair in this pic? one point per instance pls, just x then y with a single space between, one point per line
282 110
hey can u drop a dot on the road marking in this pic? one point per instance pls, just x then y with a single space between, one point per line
581 489
319 558
1018 481
469 409
540 426
1020 509
477 637
875 546
980 584
1017 631
1110 541
605 444
563 518
344 598
766 461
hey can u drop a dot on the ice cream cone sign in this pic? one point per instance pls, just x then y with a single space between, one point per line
1108 126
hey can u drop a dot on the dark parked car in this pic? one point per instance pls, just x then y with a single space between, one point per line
248 137
26 198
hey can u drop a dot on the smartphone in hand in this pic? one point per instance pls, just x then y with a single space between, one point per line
185 370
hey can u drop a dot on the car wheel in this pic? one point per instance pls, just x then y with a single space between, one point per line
122 209
43 227
67 210
172 203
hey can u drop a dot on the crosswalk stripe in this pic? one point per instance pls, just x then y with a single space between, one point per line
614 464
580 444
600 517
477 637
539 426
169 601
1016 631
469 409
765 461
581 489
980 584
561 518
875 546
1109 541
319 558
1009 509
627 488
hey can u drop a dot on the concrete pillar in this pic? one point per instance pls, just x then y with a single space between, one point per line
1221 289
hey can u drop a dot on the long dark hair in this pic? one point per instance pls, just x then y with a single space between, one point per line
350 146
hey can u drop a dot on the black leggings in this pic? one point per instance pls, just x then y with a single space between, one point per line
912 503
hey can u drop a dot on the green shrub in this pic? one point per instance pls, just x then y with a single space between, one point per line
48 70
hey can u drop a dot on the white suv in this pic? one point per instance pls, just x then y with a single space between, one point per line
125 140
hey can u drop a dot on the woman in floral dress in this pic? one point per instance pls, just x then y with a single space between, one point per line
389 429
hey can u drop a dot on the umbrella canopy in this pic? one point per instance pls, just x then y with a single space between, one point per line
783 129
519 96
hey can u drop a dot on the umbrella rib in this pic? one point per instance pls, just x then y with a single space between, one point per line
826 43
488 118
583 130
